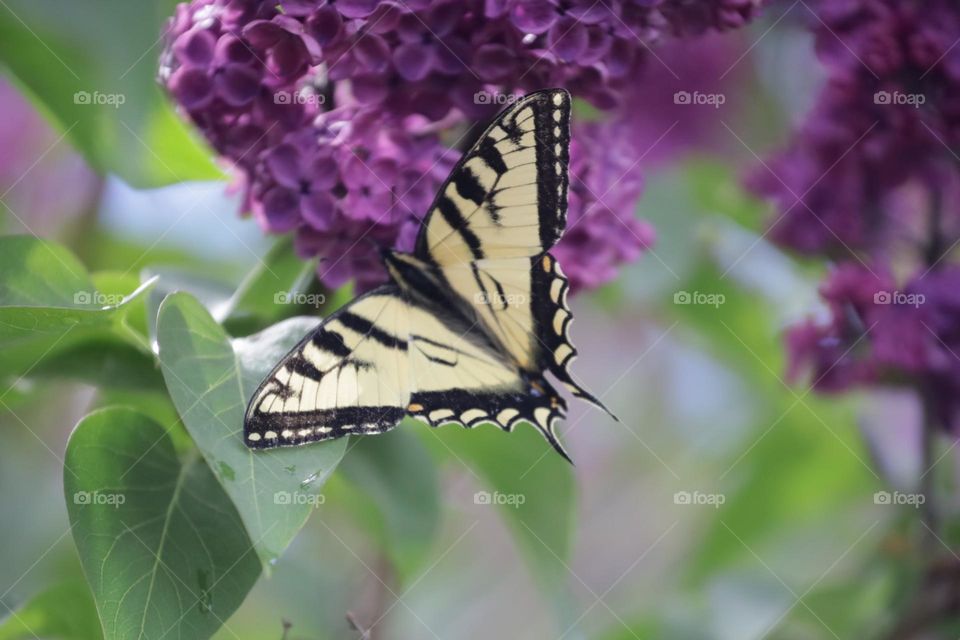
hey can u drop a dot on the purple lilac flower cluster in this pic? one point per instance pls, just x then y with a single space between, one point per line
342 118
870 182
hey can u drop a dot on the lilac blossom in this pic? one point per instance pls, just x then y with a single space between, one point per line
342 118
870 182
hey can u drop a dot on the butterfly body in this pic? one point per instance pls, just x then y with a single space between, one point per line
469 322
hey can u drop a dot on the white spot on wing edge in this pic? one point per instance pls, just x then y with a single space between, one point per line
440 414
555 289
505 416
542 416
559 318
253 437
472 415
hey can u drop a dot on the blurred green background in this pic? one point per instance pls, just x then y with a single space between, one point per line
726 505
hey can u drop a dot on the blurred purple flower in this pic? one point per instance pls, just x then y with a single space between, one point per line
336 114
870 178
43 181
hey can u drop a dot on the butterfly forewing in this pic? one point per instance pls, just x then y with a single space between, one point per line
507 197
351 375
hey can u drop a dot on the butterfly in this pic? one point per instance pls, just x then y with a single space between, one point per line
470 321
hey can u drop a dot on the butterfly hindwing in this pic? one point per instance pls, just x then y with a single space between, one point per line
552 319
460 377
349 376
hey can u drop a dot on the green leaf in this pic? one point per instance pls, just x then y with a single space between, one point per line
62 612
92 66
162 547
210 381
212 292
49 305
397 474
37 273
101 362
536 487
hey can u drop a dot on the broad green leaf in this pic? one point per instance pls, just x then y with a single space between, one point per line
155 403
210 381
62 612
49 305
397 474
103 362
213 293
163 548
531 485
38 273
117 283
92 66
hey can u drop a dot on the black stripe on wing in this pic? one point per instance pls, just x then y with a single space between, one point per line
316 426
539 404
553 160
